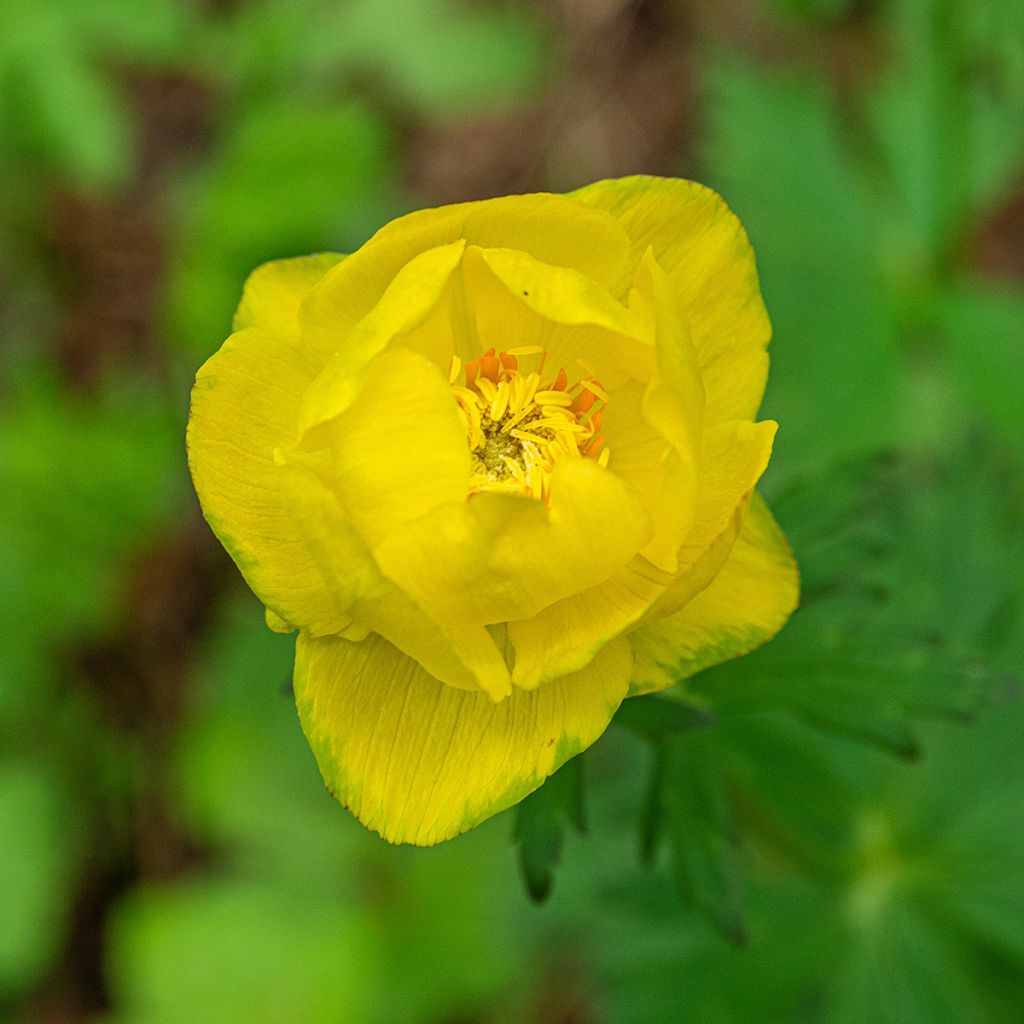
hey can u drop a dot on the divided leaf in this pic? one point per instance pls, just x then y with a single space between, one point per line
541 821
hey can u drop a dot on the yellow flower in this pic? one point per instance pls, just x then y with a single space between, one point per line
497 468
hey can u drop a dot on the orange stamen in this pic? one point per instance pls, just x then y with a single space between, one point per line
583 401
490 367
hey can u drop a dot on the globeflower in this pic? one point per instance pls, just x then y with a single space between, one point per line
497 468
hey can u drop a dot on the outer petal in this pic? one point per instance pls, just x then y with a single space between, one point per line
564 636
273 292
746 604
703 248
420 762
555 229
461 654
735 457
673 403
244 405
407 304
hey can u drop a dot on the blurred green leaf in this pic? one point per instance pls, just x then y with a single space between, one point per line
920 116
777 154
239 952
246 778
984 328
86 483
37 858
949 117
541 820
438 56
697 826
59 99
289 178
655 717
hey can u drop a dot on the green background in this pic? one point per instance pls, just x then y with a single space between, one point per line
829 830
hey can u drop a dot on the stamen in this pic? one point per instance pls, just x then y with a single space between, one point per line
518 429
552 398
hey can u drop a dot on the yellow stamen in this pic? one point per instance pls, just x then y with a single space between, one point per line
552 398
517 429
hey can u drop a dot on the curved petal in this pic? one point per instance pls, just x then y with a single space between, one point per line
462 655
346 355
555 229
673 403
734 459
499 557
642 457
400 449
419 762
244 406
745 605
705 251
273 292
565 635
520 300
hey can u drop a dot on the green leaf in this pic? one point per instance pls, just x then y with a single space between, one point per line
86 485
699 832
37 872
654 717
776 153
983 327
438 57
289 177
948 121
541 820
237 952
244 775
59 97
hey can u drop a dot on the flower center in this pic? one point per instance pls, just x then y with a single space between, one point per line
518 426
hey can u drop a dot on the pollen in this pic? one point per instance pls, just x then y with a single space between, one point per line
519 425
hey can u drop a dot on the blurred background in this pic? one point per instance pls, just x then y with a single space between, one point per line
830 830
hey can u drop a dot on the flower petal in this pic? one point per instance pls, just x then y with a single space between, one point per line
420 762
244 406
745 605
400 448
519 300
463 655
554 229
673 402
273 292
705 251
565 635
734 458
498 557
406 305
